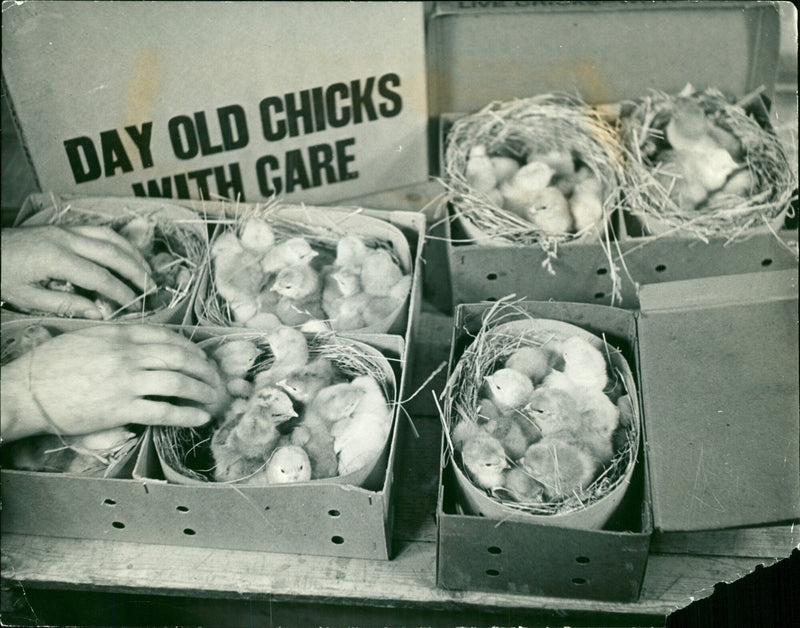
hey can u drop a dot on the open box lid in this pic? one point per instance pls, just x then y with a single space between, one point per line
480 52
719 364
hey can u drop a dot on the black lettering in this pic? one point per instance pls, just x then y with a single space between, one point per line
296 175
234 184
263 166
332 106
114 155
182 128
182 186
142 141
363 100
83 160
201 178
230 118
319 108
279 131
320 158
395 104
206 148
165 191
304 112
342 158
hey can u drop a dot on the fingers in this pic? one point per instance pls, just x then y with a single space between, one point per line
114 252
149 334
173 384
109 235
62 303
169 357
90 276
163 413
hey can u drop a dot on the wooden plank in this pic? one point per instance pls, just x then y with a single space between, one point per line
671 581
776 541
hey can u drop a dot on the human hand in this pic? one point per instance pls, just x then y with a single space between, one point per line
86 256
109 375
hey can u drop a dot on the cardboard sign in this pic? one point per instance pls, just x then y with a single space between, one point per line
309 101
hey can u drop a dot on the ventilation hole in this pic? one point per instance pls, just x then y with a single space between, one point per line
110 502
494 550
492 572
491 276
661 268
582 559
766 262
266 507
182 509
602 271
599 295
579 581
492 299
337 540
189 532
118 524
334 513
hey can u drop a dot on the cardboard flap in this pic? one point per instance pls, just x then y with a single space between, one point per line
609 51
719 358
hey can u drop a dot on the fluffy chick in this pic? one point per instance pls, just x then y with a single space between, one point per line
288 464
584 363
350 312
140 231
586 203
334 403
553 410
298 282
560 161
256 235
236 357
532 361
521 486
288 253
290 353
304 383
237 274
518 192
339 283
379 273
560 466
350 252
549 211
509 389
360 439
485 461
504 168
314 436
688 127
479 172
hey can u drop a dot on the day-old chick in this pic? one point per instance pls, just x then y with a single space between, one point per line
688 127
263 321
553 410
560 466
30 338
106 307
711 168
299 286
584 363
334 403
741 183
359 439
504 168
237 274
727 140
304 383
509 389
350 313
519 190
598 412
288 464
479 172
598 444
256 235
350 252
314 436
530 360
288 253
140 232
289 351
508 429
485 461
339 283
559 160
380 273
235 357
239 387
586 203
464 431
674 174
521 486
549 211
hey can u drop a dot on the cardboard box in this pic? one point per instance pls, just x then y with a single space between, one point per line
225 100
483 52
323 518
717 368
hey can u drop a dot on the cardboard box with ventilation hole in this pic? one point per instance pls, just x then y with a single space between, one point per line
475 57
716 365
138 505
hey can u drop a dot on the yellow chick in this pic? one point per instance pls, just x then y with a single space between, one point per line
560 466
304 383
315 438
464 431
298 282
727 140
584 363
350 252
560 161
504 168
509 389
711 168
586 203
519 190
688 127
379 273
140 231
239 387
553 410
549 211
263 321
741 183
235 357
334 403
597 444
508 430
521 486
338 283
685 188
479 172
288 253
237 274
256 235
532 361
599 412
288 464
485 461
350 313
290 353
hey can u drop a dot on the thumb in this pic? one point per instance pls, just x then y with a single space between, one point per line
60 303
